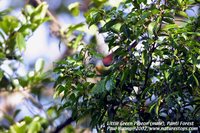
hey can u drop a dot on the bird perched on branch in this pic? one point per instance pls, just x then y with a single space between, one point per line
102 66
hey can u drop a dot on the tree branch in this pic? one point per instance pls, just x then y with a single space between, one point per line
63 125
151 52
53 19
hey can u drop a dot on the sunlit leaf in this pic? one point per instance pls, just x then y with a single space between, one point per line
151 28
74 8
20 127
93 16
78 40
39 13
39 65
166 74
20 41
170 26
182 13
73 28
158 106
108 25
180 2
8 24
28 10
34 127
144 57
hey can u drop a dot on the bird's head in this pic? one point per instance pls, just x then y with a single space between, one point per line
101 65
105 61
108 60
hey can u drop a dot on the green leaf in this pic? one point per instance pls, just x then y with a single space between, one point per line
28 10
152 107
8 24
144 57
182 13
99 87
141 1
2 55
72 28
151 28
59 89
39 13
69 129
28 119
34 127
125 73
125 29
16 113
1 74
198 62
158 106
93 16
18 128
168 20
9 118
108 25
170 26
25 29
39 65
99 1
155 11
196 80
74 8
196 110
2 35
4 12
180 2
20 41
166 74
77 41
109 84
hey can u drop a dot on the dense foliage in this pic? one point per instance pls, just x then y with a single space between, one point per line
154 76
156 80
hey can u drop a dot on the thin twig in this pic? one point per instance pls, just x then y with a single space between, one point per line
53 19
